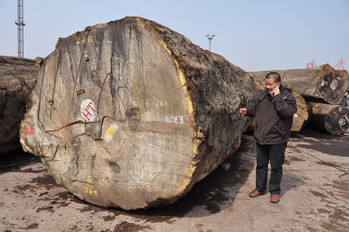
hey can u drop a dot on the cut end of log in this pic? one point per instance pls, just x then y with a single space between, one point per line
332 119
131 114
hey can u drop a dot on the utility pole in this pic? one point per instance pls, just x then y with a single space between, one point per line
20 28
210 38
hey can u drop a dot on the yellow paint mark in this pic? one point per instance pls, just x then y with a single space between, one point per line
89 39
110 131
166 48
183 81
90 191
184 84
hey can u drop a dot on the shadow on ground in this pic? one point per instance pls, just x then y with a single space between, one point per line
211 195
16 160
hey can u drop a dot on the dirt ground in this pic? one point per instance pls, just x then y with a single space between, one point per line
315 196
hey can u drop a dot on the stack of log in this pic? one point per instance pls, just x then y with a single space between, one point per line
17 79
131 114
323 89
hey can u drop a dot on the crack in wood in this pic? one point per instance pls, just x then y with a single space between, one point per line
70 124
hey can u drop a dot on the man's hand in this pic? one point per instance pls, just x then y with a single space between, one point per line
243 111
275 91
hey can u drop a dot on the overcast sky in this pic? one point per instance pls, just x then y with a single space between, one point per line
253 34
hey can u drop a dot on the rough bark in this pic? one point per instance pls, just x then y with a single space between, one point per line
17 78
333 119
131 114
320 84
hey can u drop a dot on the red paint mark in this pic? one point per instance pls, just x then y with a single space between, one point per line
178 120
28 129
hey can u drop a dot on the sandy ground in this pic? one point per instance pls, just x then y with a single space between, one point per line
315 196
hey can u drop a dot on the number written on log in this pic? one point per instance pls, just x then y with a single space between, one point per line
88 110
175 119
90 190
83 41
161 104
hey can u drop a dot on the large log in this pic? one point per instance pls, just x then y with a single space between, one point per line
320 84
333 119
131 114
17 78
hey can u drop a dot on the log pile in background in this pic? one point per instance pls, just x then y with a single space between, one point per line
131 114
320 84
17 78
323 85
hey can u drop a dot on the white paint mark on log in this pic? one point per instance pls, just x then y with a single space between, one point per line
109 133
88 110
334 84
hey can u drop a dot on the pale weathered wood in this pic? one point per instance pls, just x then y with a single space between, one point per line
321 84
17 78
301 117
333 119
131 114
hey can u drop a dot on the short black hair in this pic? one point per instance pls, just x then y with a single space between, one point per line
273 75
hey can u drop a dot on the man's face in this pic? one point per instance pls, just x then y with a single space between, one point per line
270 84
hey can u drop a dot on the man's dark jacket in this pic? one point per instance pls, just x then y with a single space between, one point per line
273 116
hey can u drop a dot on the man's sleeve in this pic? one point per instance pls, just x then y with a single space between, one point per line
285 104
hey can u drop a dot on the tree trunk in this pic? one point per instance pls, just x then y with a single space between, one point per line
333 119
320 84
131 114
17 78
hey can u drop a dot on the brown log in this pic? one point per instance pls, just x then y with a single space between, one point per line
333 119
320 84
17 78
131 114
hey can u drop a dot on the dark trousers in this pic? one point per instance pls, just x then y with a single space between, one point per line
275 154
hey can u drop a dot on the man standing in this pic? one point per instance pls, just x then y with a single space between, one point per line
273 110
